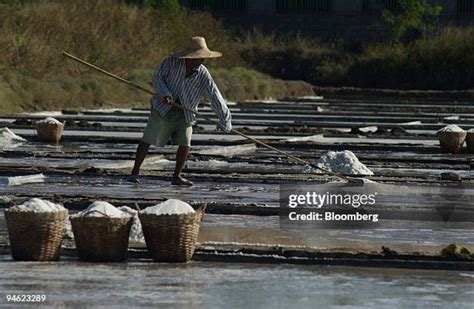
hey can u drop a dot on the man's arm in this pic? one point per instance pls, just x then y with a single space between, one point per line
159 86
218 106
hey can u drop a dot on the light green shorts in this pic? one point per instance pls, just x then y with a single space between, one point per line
173 125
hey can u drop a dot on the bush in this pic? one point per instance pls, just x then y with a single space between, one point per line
296 57
412 15
443 61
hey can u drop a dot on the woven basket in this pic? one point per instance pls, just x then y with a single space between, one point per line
451 142
171 238
470 142
49 132
101 239
35 236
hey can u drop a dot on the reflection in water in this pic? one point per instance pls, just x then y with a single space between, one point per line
217 285
265 230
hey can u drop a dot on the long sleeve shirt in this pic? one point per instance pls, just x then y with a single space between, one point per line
170 79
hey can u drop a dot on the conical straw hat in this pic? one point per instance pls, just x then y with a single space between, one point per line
196 49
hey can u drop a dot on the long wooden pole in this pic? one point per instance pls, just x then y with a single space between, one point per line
289 155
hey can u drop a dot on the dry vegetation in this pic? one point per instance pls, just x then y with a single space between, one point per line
442 61
126 40
130 41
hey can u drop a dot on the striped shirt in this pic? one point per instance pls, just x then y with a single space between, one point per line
170 79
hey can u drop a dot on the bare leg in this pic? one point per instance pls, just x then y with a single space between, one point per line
181 157
142 151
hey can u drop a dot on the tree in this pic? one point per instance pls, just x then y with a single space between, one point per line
169 5
409 15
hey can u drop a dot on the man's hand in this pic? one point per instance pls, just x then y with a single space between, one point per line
224 126
168 100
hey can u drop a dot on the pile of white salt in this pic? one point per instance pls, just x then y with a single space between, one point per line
21 180
170 207
8 135
50 120
136 231
8 139
343 162
452 128
38 205
102 209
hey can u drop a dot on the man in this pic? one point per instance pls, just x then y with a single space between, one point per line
183 79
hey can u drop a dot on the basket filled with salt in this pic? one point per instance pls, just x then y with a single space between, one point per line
36 230
451 138
171 230
49 130
101 233
470 140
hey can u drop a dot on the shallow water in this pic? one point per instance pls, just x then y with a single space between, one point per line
219 285
266 230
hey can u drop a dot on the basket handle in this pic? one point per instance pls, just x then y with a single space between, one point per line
137 207
202 210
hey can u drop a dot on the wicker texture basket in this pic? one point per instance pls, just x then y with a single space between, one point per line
451 142
171 238
470 142
35 236
101 239
49 132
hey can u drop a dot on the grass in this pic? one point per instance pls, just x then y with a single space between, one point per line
92 90
131 41
240 83
9 101
126 40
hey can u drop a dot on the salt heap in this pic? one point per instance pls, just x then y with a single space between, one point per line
50 120
68 230
38 205
136 231
343 162
8 135
8 139
170 207
21 180
451 128
102 209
